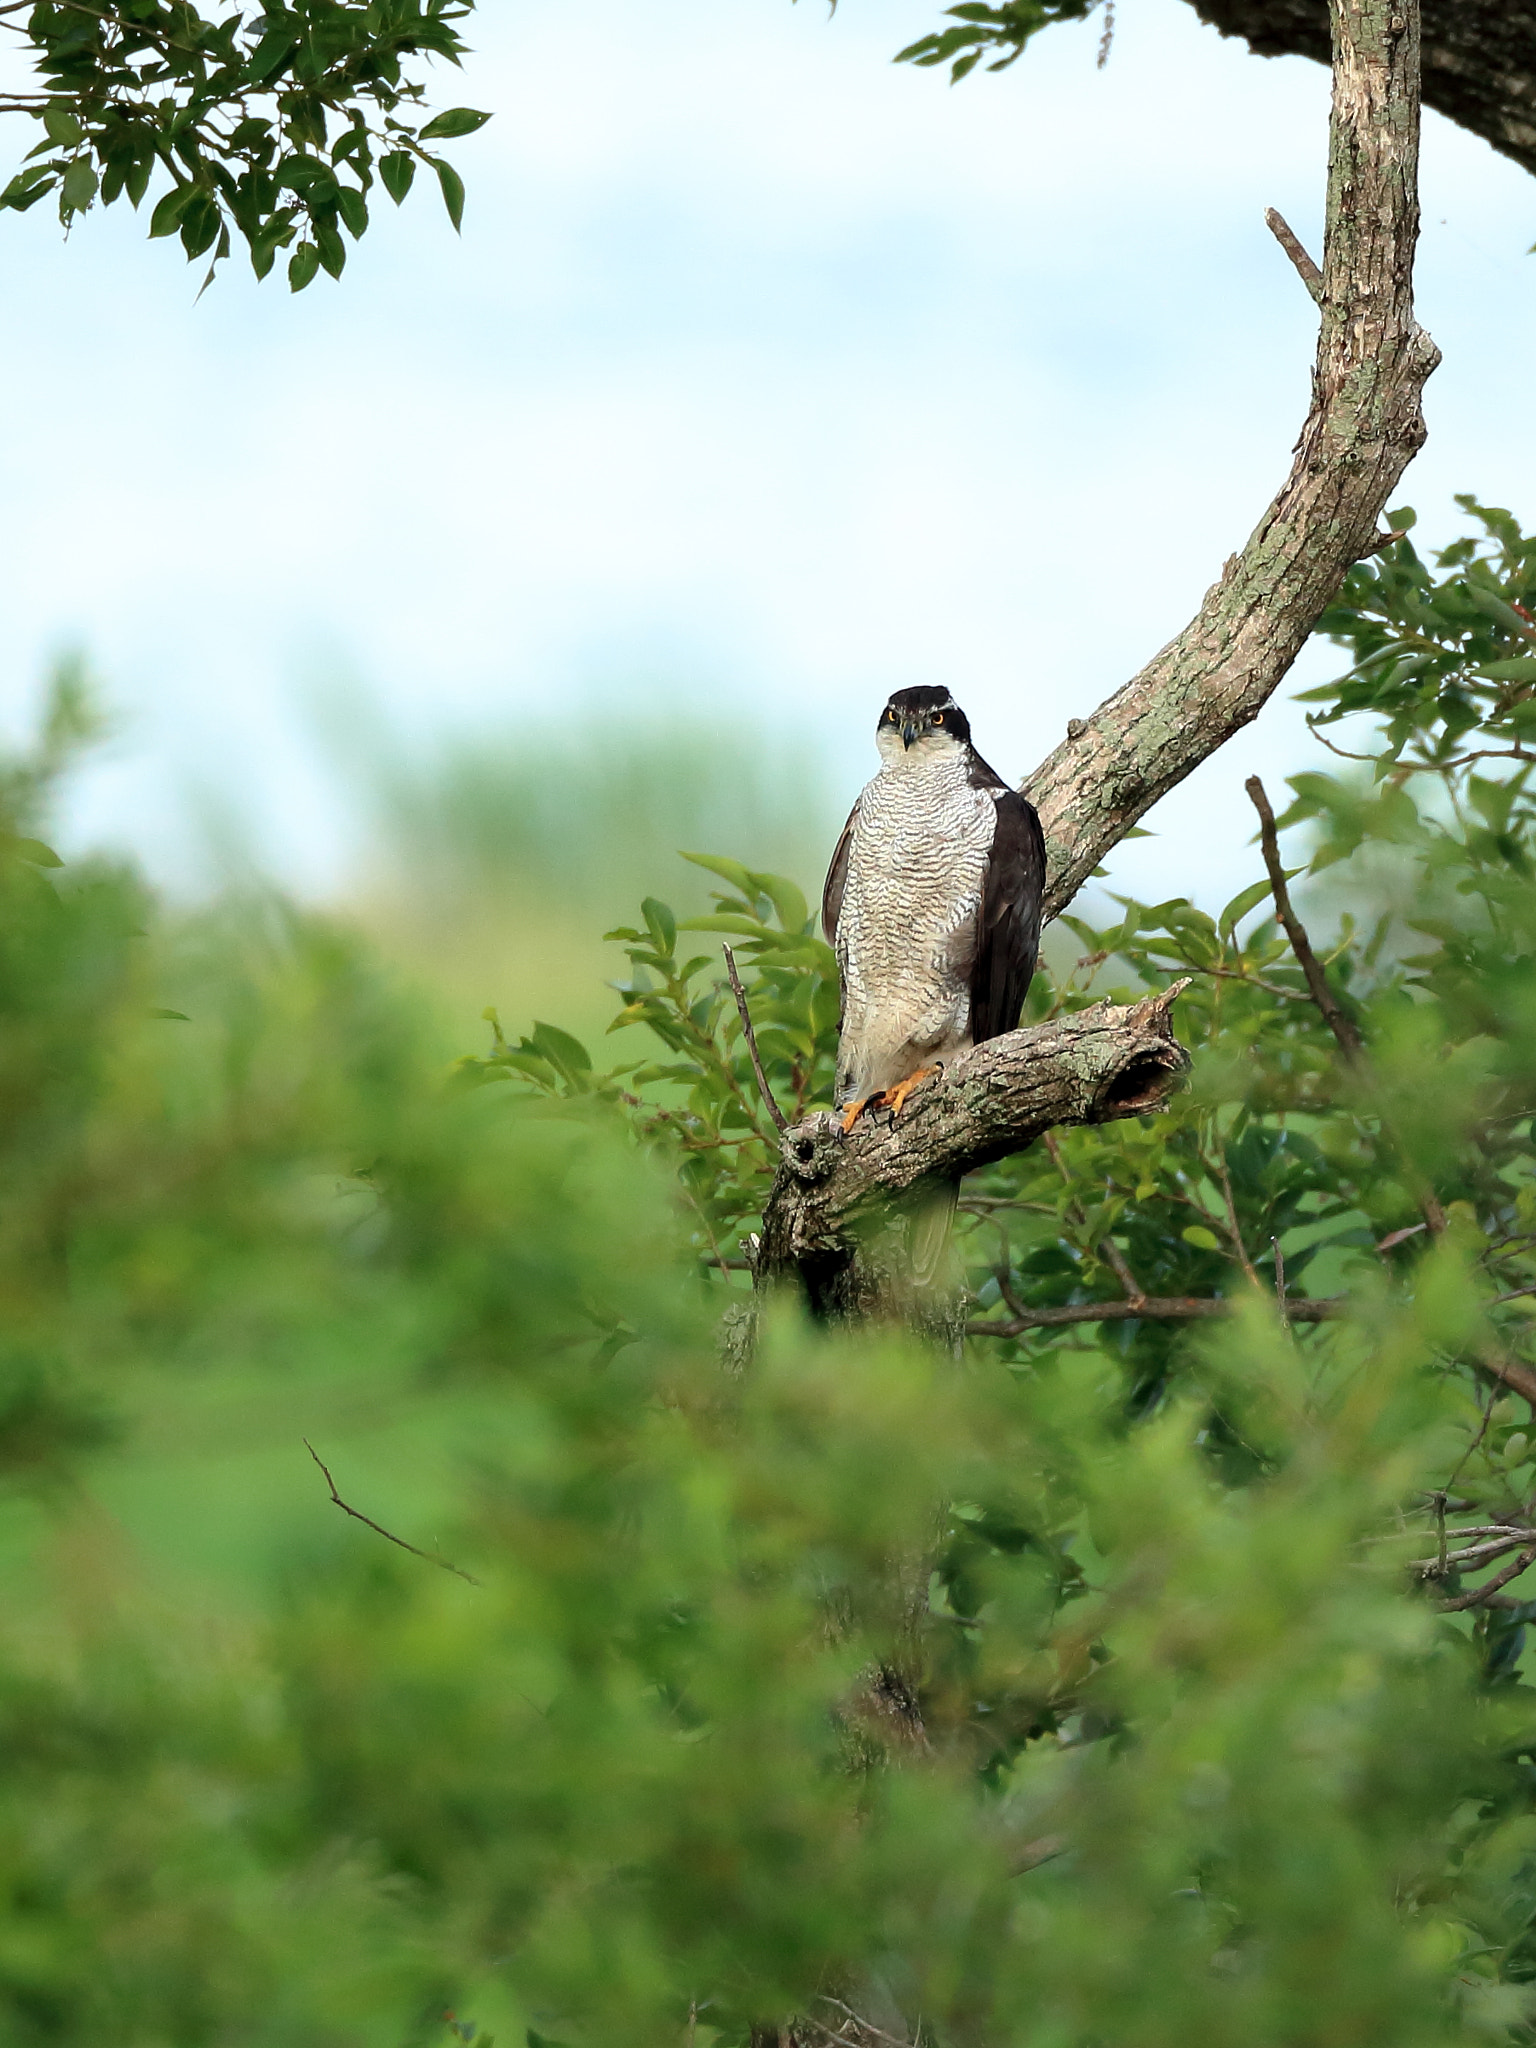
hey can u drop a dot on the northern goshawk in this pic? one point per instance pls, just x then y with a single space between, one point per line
932 903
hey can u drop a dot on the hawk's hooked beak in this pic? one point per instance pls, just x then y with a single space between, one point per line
910 730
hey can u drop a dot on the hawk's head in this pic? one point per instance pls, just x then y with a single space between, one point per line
924 722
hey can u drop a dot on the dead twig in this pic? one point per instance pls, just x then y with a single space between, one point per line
1332 1011
1177 1308
378 1528
781 1122
1483 1596
1339 1022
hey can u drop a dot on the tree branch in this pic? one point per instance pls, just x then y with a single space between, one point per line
1483 1595
1155 1308
1364 425
1089 1067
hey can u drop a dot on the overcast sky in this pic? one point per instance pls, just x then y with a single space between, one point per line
765 371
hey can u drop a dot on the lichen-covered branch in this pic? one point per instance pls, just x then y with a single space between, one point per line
833 1190
1364 425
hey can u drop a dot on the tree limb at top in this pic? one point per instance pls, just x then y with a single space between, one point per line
1363 427
1479 57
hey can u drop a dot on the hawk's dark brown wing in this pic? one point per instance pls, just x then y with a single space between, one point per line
837 876
1008 938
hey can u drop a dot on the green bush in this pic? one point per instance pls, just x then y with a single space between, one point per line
1103 1689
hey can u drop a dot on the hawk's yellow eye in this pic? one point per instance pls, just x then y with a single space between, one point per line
938 718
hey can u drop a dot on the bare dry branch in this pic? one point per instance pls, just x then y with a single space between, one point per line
1334 1015
1483 1596
378 1528
1156 1308
779 1118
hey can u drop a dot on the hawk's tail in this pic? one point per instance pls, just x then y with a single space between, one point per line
928 1234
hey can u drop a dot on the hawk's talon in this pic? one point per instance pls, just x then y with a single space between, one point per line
855 1110
895 1098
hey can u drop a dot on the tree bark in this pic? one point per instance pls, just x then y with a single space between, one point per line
1363 426
826 1213
1479 57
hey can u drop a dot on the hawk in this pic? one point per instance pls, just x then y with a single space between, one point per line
932 903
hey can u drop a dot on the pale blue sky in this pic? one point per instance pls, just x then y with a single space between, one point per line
764 368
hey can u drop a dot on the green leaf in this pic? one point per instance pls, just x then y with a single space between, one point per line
661 924
353 209
1202 1239
398 170
1244 901
169 208
741 927
730 871
64 129
27 187
560 1049
35 854
453 191
79 187
788 900
303 266
333 250
172 1016
455 122
1521 669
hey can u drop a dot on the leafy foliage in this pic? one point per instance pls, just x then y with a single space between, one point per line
1002 32
1206 1755
268 122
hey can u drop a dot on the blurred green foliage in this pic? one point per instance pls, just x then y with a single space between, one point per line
1204 1753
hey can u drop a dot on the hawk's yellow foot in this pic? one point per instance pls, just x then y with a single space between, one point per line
895 1098
855 1110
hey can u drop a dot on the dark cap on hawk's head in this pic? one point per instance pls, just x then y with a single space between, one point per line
922 713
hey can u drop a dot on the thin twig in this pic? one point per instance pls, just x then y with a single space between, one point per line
1280 1282
779 1118
1334 1016
1484 1594
1333 1013
1475 1553
1178 1308
859 2020
378 1528
1106 1248
1234 1229
1306 269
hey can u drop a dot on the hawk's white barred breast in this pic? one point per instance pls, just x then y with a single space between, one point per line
906 933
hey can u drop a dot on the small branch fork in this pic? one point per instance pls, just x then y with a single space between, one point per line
378 1528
